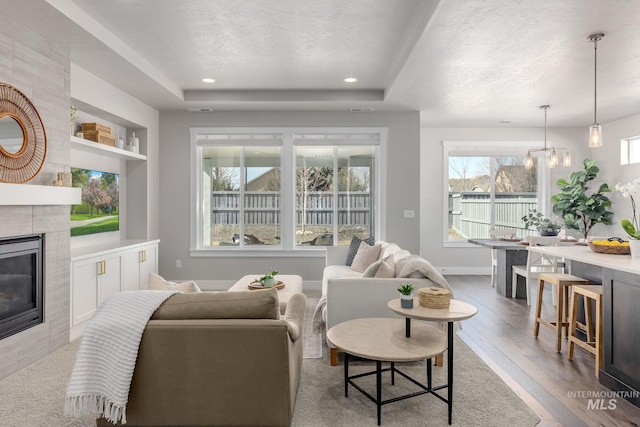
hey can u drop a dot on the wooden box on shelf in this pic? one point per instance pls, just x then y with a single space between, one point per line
96 127
101 138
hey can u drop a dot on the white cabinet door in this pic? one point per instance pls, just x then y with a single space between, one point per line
109 279
92 281
148 265
138 263
131 266
84 289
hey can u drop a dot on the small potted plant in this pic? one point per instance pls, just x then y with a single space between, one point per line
406 295
268 280
545 226
73 116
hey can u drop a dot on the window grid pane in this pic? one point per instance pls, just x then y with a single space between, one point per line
487 192
321 208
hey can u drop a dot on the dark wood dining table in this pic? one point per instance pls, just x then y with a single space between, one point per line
508 253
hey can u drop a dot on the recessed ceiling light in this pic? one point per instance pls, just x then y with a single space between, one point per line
350 80
504 122
208 80
361 110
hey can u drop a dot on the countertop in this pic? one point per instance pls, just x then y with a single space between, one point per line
587 256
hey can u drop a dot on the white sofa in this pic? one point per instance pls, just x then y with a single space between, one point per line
347 295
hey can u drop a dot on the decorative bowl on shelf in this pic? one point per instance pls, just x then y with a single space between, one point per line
612 246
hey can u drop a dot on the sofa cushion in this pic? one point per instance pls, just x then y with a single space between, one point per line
336 272
355 245
260 304
366 256
158 283
383 268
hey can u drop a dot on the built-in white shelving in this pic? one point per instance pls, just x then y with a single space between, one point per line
94 147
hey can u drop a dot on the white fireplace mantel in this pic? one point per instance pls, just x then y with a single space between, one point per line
26 194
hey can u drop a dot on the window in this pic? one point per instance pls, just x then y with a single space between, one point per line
630 150
334 193
287 189
244 187
488 186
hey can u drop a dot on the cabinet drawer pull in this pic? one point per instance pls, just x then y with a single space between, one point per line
142 256
102 268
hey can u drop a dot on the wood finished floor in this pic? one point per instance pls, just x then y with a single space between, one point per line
502 334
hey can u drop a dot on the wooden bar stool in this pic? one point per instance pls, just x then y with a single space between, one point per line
562 283
593 344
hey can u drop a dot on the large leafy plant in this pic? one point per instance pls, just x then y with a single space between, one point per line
581 208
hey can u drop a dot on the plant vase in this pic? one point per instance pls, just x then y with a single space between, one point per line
634 247
406 301
549 233
268 283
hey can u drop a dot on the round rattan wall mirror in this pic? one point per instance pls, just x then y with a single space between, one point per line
23 141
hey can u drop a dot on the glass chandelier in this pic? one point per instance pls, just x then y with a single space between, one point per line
550 152
595 130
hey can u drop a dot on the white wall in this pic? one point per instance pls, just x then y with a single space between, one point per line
475 260
608 158
402 181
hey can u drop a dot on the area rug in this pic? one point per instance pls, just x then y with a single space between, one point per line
34 396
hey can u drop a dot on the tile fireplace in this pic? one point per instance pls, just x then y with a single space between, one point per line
21 283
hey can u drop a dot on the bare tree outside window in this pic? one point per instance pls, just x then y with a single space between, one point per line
223 179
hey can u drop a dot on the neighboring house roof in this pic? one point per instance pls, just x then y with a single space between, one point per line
476 183
268 181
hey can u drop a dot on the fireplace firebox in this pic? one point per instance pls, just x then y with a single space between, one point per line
21 283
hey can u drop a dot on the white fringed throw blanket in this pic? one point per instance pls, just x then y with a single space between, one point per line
101 377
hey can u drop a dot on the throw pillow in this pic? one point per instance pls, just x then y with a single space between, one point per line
384 268
157 283
366 256
355 245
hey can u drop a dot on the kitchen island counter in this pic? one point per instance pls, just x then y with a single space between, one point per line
620 279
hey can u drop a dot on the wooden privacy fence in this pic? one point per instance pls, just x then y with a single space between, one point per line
469 212
312 208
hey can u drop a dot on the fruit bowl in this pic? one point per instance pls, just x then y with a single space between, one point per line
613 246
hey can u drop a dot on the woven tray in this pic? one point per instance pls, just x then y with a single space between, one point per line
257 285
612 250
434 297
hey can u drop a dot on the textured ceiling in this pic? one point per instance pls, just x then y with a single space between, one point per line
470 63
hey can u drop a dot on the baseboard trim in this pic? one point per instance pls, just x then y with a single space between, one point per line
465 271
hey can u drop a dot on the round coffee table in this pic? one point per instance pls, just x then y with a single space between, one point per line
384 340
457 311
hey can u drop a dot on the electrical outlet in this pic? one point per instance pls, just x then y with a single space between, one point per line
408 214
178 263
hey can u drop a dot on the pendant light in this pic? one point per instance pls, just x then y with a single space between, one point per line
550 152
595 130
